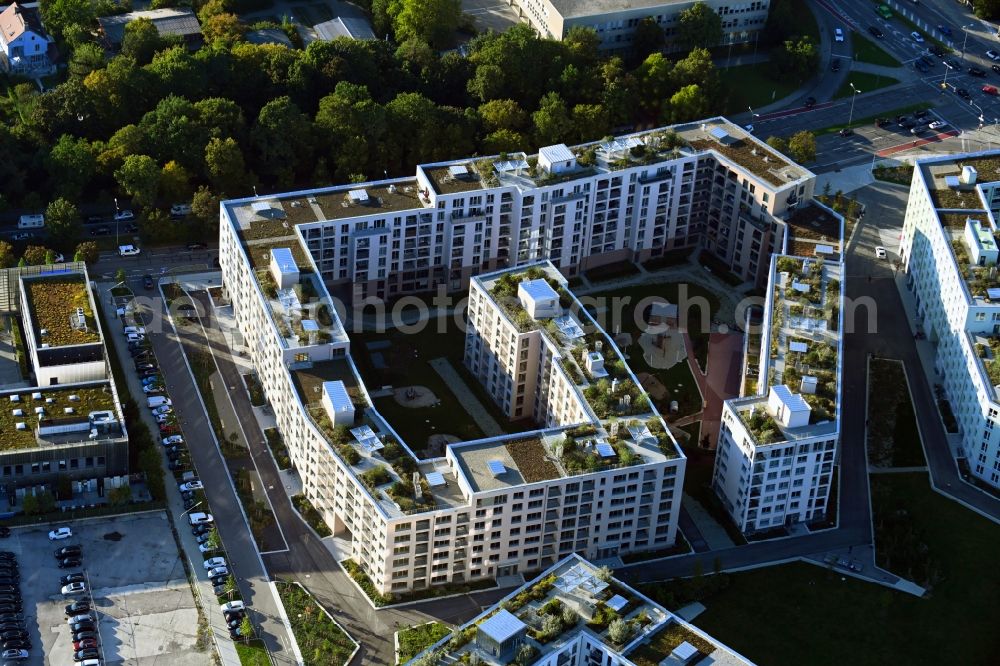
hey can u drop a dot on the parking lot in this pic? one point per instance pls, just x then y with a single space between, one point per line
144 604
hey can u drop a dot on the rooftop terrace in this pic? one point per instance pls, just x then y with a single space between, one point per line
52 305
54 402
575 597
814 231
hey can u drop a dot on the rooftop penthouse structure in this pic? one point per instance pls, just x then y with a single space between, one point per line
709 184
948 250
578 613
777 445
64 418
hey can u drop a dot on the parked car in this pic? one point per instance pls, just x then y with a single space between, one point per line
85 643
14 635
838 35
15 654
70 563
196 246
128 251
88 653
100 231
84 635
60 533
917 37
71 578
875 32
200 518
995 68
921 66
944 30
147 281
80 618
162 409
140 330
963 93
17 644
192 485
214 562
123 215
976 71
993 55
169 429
83 626
68 551
180 210
81 606
200 529
922 113
205 548
880 252
938 124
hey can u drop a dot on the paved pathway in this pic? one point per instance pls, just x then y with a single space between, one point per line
690 529
476 410
713 533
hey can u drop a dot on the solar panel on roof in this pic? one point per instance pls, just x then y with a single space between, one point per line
616 603
605 450
435 479
496 467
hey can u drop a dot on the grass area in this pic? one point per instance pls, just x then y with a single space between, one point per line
866 120
414 640
407 363
676 257
320 639
751 86
865 82
81 400
868 51
901 175
252 653
698 313
893 437
51 301
310 515
864 623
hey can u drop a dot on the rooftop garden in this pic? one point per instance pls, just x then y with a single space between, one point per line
52 301
664 641
953 199
531 458
504 292
978 279
625 399
579 458
957 220
445 183
754 158
989 354
259 254
762 426
91 399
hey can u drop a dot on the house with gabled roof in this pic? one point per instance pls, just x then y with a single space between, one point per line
26 48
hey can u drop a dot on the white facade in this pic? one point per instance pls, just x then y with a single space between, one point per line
949 255
454 221
23 43
776 451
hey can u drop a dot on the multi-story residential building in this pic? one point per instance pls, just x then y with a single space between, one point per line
516 503
615 21
564 616
777 445
25 48
63 418
949 253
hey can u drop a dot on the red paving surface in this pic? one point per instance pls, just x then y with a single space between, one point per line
725 361
898 148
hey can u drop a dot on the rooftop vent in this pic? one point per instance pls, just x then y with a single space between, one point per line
968 176
496 467
78 320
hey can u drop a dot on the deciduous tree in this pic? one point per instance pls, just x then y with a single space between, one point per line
86 251
62 219
139 177
802 146
7 258
699 25
34 255
688 103
431 21
552 121
226 168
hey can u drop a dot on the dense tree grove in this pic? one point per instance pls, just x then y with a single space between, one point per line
161 123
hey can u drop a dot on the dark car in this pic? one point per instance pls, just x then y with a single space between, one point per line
944 30
12 626
72 578
200 529
835 65
218 580
231 615
196 246
963 93
84 635
86 625
147 281
921 66
219 590
178 465
145 365
70 563
876 32
169 429
130 228
17 634
100 231
77 607
938 51
17 644
88 653
68 551
810 102
976 71
9 588
907 124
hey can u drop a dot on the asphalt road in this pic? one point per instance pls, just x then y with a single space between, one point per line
241 552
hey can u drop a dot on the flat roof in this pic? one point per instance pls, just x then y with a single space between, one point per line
557 153
282 256
52 304
503 626
580 8
54 400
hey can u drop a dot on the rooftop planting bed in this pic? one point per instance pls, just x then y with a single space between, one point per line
51 303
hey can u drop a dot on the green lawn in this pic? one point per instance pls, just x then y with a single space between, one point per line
868 51
893 437
322 642
820 617
750 86
415 639
864 82
252 653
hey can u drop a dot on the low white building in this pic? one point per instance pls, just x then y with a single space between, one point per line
948 251
582 600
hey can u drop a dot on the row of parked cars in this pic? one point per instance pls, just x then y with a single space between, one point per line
14 637
80 615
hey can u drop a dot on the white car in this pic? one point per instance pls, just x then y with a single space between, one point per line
134 330
200 518
152 388
74 588
60 533
880 252
191 485
15 654
937 124
218 571
917 37
83 617
213 562
205 548
128 251
180 210
162 409
838 35
172 440
232 606
123 215
58 259
993 55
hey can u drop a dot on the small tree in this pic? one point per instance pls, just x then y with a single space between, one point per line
604 573
120 496
213 541
246 628
618 631
525 654
569 617
86 251
230 585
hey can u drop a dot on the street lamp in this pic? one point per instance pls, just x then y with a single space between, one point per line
966 40
850 117
192 508
117 221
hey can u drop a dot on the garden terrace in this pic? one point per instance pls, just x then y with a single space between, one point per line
259 253
292 307
309 381
816 224
532 460
90 398
957 220
988 352
964 197
52 300
755 158
977 279
446 183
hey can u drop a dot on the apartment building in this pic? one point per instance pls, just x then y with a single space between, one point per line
564 616
63 418
615 21
585 482
778 444
948 251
